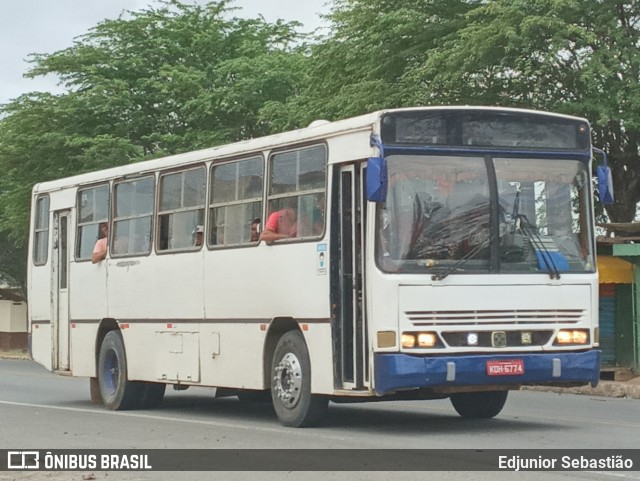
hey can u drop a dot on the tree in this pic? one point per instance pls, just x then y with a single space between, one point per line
579 57
14 259
361 64
167 79
179 76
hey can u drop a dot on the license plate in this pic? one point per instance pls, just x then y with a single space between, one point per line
511 367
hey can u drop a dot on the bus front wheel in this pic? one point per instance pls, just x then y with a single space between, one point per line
479 405
293 402
117 392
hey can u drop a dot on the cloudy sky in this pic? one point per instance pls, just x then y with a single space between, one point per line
45 26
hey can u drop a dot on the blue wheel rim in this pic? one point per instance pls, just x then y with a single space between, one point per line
111 372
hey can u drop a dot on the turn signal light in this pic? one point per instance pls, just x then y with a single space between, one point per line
386 339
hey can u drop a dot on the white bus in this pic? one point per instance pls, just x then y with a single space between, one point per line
422 253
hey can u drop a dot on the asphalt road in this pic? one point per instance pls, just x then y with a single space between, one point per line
40 410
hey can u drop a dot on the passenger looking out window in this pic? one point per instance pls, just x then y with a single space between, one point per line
198 235
100 249
296 194
280 225
255 230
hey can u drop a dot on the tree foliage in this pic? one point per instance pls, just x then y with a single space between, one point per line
579 57
361 64
178 77
170 78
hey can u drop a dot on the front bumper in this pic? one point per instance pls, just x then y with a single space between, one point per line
402 371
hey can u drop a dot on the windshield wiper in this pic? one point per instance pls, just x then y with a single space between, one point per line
460 262
524 226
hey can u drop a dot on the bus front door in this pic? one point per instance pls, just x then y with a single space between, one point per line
60 290
349 332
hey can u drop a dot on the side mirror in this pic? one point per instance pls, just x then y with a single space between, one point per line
605 180
605 184
376 179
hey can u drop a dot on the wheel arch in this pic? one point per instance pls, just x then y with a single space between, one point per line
106 325
277 327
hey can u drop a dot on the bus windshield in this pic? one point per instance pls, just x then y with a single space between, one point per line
440 215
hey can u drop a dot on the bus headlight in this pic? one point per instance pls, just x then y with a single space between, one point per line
427 339
572 336
408 340
419 339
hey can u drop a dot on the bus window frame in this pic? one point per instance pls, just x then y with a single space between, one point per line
36 230
79 224
157 210
210 205
112 227
297 194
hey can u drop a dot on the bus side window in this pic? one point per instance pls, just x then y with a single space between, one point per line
298 182
132 216
93 210
181 209
235 206
41 231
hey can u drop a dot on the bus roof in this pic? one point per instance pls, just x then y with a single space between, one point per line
317 131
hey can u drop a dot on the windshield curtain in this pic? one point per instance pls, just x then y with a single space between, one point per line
440 215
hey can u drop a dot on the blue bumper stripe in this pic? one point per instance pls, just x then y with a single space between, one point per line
402 371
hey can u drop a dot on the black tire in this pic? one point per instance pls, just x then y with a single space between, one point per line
479 405
152 394
117 392
251 396
293 402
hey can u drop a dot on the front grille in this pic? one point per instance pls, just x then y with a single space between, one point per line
495 317
513 338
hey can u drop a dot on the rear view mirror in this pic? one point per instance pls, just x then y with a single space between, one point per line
376 179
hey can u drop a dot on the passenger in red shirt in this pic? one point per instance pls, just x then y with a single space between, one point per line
100 249
280 225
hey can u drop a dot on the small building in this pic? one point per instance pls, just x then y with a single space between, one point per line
619 273
13 324
616 312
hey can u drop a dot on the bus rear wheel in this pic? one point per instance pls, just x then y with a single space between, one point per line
117 392
293 402
479 405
